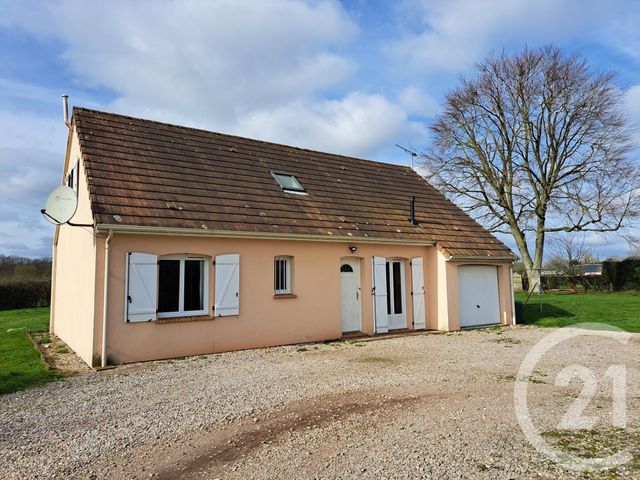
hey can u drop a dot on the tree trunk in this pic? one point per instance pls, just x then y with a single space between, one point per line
531 265
533 275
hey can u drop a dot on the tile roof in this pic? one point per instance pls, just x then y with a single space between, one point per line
146 173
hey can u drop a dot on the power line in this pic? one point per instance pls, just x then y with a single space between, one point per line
20 201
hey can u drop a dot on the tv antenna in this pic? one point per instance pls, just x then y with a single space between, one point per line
410 152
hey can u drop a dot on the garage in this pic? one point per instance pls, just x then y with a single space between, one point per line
478 293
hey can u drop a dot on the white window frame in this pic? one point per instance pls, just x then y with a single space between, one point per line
391 289
298 191
205 286
287 272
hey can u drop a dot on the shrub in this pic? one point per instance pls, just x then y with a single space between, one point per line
24 294
566 282
622 275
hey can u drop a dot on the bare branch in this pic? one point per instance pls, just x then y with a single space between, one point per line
536 143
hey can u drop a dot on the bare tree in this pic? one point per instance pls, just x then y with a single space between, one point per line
569 254
633 240
536 143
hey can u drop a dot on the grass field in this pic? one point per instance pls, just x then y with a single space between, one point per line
621 310
20 363
21 366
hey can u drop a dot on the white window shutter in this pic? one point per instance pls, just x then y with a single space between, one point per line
380 294
142 287
227 285
76 176
417 293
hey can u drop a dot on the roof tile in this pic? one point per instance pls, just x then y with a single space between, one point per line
146 173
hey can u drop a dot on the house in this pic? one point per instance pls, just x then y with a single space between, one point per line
198 242
591 269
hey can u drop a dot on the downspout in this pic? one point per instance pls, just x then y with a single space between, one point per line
52 301
105 303
513 297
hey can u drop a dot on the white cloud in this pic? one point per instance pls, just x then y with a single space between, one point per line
415 101
31 153
261 69
632 106
632 100
208 62
357 124
456 33
622 34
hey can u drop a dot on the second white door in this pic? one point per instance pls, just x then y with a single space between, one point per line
396 306
350 285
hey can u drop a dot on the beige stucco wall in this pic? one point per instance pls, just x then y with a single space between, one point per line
74 286
313 315
264 320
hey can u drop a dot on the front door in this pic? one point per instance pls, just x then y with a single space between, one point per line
350 282
396 308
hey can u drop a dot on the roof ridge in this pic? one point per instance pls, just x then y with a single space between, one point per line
196 129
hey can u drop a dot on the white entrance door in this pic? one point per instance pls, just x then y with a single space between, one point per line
478 292
350 284
396 305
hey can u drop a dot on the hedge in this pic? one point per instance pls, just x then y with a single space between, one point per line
622 275
616 275
25 294
563 282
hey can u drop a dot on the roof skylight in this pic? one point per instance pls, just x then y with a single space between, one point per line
288 182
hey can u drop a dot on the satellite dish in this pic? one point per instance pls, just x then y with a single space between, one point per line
61 205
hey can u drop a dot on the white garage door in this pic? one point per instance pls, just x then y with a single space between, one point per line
478 291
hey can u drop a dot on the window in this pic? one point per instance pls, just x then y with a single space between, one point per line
288 183
72 177
182 286
282 275
394 287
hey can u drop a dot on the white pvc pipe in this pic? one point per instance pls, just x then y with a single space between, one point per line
105 302
52 302
65 110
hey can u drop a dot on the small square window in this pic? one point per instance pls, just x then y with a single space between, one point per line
282 275
288 182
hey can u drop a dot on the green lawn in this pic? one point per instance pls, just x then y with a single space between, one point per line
560 309
21 367
20 363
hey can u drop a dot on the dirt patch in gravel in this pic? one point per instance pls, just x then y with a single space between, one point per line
214 451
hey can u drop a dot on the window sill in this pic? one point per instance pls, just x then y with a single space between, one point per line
195 318
285 295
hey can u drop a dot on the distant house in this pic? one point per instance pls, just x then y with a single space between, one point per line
204 242
591 269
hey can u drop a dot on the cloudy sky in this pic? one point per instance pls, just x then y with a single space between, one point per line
353 77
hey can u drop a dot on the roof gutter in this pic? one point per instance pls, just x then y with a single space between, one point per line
457 258
148 230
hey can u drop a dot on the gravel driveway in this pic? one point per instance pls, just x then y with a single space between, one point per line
419 406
